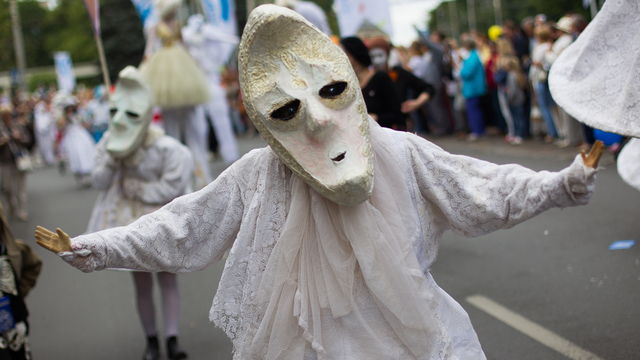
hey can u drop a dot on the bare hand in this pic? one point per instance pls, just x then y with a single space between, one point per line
54 242
591 159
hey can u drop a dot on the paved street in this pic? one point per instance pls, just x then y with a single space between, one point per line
554 271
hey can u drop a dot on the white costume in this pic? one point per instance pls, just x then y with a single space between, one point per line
332 229
178 85
211 49
160 173
139 170
596 79
77 144
45 131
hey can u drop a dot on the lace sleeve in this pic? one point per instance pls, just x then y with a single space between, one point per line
476 197
186 235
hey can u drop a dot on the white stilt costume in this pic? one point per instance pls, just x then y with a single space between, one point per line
211 49
597 79
331 230
178 86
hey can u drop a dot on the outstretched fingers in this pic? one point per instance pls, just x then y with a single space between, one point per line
55 242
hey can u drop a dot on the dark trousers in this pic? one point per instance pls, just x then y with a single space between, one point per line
474 115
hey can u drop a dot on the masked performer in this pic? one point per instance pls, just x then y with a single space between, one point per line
178 85
331 230
596 80
139 170
211 49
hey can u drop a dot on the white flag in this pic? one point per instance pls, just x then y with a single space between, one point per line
64 71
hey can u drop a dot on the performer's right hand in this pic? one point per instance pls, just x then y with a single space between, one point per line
80 256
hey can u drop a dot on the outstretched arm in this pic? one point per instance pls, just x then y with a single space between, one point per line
475 197
186 235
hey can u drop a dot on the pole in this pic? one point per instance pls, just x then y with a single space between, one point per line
18 44
250 5
471 14
453 18
103 63
497 11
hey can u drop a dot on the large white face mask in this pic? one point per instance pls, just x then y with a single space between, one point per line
302 94
131 106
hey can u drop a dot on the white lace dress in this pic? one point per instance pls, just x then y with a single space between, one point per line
246 208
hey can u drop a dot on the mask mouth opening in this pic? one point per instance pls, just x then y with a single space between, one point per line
340 157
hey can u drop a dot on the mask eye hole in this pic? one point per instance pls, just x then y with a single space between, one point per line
287 112
332 90
113 111
132 115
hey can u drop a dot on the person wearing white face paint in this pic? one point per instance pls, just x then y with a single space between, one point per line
178 85
211 49
331 230
139 170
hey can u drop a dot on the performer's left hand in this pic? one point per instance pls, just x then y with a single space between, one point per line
56 242
591 160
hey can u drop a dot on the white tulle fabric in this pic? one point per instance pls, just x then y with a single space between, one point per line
629 163
597 78
246 211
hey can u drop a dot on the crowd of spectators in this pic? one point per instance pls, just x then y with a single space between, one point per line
479 84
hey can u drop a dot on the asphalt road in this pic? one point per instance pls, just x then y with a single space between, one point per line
554 270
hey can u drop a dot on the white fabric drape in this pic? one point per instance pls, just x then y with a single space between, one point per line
322 247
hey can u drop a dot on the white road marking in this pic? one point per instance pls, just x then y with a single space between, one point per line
531 329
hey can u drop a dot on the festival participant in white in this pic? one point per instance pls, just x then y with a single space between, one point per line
211 49
178 85
331 230
139 169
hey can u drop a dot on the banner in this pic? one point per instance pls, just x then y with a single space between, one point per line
64 71
221 14
352 13
93 8
147 12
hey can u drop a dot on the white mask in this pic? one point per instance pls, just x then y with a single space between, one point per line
131 106
302 94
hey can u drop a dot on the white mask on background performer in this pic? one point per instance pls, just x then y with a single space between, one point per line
131 108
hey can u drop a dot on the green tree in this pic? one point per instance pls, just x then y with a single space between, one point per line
122 35
511 9
33 20
69 29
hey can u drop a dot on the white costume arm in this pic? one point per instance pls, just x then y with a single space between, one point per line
176 174
476 197
104 168
186 235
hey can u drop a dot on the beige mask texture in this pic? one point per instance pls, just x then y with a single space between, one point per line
132 106
283 58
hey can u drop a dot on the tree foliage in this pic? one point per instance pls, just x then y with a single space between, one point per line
511 9
122 35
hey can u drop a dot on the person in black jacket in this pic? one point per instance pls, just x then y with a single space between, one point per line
377 87
412 91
